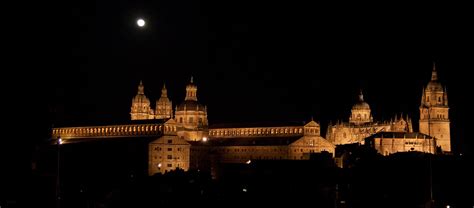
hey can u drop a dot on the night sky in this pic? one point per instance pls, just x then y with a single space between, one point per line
252 61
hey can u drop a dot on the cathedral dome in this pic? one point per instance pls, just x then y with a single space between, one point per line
190 105
141 98
361 104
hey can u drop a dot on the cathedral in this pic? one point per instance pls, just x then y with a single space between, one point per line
183 138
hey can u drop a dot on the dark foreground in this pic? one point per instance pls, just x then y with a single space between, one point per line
100 175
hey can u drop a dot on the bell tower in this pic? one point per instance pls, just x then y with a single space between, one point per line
164 107
434 112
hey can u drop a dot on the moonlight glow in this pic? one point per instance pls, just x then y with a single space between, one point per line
140 22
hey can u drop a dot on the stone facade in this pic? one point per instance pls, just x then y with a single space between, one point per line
392 142
168 153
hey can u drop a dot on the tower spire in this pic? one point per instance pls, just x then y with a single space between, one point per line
164 91
141 90
434 73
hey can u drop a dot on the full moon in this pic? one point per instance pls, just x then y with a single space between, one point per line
140 22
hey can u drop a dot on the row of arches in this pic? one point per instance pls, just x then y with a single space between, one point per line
170 128
108 131
254 131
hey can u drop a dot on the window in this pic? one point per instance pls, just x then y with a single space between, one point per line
169 157
439 99
200 120
169 165
190 119
181 119
170 149
170 141
179 149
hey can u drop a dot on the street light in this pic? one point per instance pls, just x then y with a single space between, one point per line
58 184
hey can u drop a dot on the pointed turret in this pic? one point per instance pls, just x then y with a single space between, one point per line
445 97
423 97
434 74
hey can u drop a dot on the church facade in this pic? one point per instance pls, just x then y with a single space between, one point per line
184 139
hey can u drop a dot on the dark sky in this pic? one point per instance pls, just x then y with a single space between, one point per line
251 60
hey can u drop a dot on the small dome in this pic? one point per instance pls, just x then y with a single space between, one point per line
141 98
361 104
190 105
